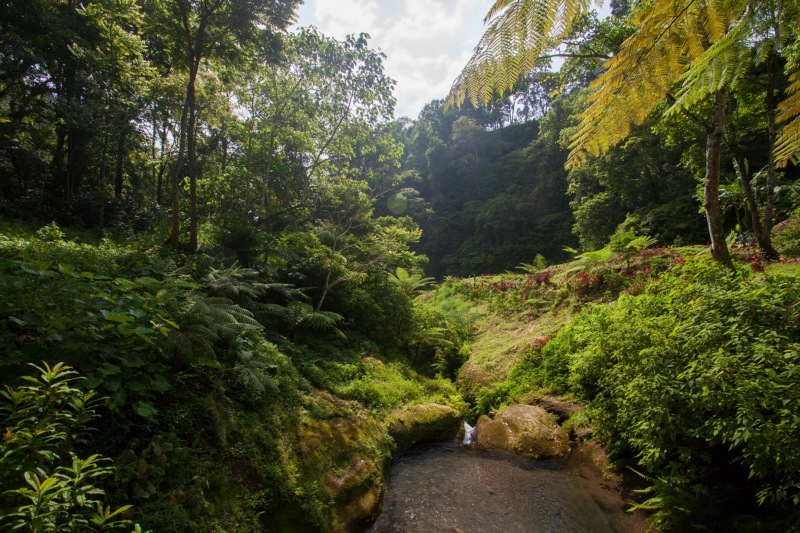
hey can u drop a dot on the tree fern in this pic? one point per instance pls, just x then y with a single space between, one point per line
410 284
788 144
207 321
700 46
669 37
519 32
723 65
242 286
299 316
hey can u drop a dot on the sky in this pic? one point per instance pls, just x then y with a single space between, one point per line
427 42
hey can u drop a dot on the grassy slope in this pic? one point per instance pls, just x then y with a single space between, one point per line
510 314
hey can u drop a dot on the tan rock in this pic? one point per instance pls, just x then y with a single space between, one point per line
525 430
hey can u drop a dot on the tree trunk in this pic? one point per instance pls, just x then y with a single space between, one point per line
102 187
719 248
192 161
162 165
749 195
58 161
326 287
175 201
156 174
765 239
123 134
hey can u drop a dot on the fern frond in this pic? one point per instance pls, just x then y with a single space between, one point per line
788 143
208 321
651 61
722 65
640 243
321 320
518 33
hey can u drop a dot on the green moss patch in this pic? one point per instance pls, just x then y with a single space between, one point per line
421 423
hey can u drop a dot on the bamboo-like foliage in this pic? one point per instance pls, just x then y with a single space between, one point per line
519 33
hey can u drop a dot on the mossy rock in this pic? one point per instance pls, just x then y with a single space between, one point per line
525 430
339 455
423 423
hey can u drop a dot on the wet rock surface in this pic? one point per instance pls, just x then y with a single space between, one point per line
525 430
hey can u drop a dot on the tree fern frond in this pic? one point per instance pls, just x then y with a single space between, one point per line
724 64
647 66
788 143
321 320
518 33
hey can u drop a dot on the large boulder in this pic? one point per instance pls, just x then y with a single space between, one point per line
337 454
423 423
524 430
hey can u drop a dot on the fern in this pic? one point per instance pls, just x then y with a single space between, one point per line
669 36
698 46
723 65
410 284
207 321
788 142
518 33
299 316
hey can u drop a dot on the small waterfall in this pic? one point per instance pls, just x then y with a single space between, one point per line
470 434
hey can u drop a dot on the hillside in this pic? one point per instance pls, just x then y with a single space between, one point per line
666 353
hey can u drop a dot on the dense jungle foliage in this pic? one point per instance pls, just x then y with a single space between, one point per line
688 375
217 250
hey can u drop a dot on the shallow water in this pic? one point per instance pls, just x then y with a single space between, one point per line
453 488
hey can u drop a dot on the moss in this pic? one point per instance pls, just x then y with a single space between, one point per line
525 430
423 423
336 459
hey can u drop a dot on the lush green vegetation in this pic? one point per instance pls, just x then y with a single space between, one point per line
689 377
218 249
206 381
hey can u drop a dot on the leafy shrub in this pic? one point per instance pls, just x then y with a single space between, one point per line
787 240
698 378
46 486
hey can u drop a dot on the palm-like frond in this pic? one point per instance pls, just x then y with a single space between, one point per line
410 284
519 32
788 142
723 65
298 316
242 286
252 371
206 322
669 37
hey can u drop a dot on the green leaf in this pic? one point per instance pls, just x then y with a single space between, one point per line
146 410
116 316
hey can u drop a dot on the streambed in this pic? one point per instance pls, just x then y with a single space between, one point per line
451 488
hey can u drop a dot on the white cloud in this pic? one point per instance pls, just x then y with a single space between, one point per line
341 17
427 42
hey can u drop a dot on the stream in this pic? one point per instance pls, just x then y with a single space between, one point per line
447 487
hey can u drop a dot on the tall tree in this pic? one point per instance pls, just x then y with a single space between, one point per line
688 44
197 30
69 72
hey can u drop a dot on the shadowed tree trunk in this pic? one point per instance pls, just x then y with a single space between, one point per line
719 248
